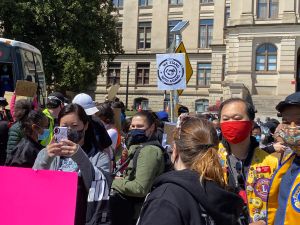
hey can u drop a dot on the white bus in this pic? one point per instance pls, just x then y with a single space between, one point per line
21 61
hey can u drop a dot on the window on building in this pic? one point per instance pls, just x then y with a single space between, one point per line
205 33
207 1
201 105
266 57
113 73
227 15
145 2
203 74
175 2
171 25
141 103
119 31
267 9
118 3
142 73
144 35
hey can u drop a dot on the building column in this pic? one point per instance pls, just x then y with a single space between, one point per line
289 14
159 29
130 18
217 74
190 33
219 23
287 66
247 12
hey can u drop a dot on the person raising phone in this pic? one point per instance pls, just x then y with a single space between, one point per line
79 153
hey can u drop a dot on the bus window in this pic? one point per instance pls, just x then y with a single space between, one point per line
6 78
28 65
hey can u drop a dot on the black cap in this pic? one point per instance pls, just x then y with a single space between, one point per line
55 99
293 99
3 102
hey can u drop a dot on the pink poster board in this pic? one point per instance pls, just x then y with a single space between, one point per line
37 197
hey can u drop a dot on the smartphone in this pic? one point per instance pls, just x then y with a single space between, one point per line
60 133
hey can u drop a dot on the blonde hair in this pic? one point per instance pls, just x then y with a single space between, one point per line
196 141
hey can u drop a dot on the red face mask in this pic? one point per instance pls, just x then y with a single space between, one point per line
236 131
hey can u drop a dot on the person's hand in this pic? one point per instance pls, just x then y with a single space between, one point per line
279 147
54 149
68 148
260 222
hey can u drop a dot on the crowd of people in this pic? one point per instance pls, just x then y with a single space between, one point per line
226 168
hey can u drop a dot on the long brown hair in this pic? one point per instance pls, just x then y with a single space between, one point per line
196 142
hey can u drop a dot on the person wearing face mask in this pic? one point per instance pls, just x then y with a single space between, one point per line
196 187
247 168
55 103
80 153
146 163
284 195
33 124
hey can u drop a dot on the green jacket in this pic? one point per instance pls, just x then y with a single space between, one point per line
150 164
15 134
47 140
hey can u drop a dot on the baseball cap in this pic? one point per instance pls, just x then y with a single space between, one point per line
55 99
86 102
162 115
293 99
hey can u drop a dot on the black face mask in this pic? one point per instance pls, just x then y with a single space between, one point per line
75 135
136 136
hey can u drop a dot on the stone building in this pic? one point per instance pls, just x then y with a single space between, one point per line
235 47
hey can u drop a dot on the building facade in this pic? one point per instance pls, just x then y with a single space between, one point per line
235 47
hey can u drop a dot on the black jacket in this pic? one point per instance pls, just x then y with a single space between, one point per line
24 154
175 200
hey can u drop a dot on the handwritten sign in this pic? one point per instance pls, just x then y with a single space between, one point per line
26 88
31 197
8 96
169 130
112 92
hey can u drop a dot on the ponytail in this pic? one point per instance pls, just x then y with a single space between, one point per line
207 164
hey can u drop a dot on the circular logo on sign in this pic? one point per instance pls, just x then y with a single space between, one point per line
261 188
170 71
295 198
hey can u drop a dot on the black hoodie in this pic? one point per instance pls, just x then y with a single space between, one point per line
175 199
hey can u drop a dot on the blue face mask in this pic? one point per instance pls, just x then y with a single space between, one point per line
136 136
258 138
44 135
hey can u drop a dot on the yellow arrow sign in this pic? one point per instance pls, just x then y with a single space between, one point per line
188 66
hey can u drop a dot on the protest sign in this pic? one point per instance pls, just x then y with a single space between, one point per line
168 130
117 118
112 92
30 197
8 96
26 88
171 71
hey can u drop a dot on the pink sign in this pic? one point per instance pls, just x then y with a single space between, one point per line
37 197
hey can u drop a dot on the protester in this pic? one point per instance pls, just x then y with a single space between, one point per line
284 196
248 169
79 153
15 133
106 115
182 109
33 124
270 147
89 106
216 124
146 163
55 103
196 187
3 141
